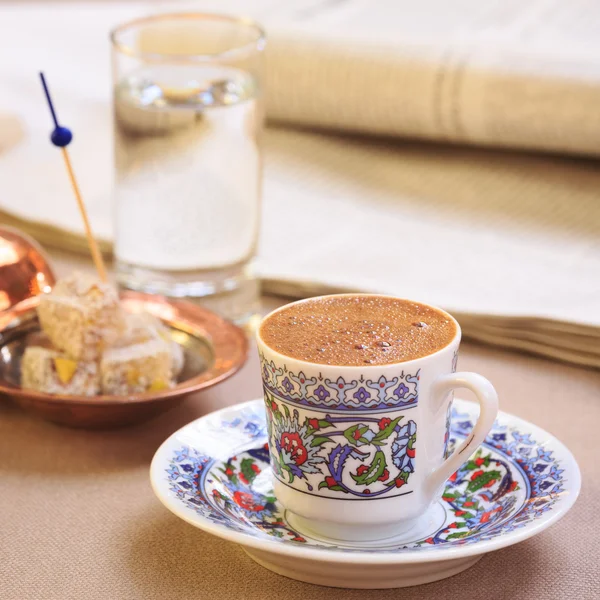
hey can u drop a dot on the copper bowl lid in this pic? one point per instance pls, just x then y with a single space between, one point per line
25 269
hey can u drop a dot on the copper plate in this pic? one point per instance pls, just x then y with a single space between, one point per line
214 350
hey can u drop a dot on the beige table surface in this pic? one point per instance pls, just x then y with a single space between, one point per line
79 519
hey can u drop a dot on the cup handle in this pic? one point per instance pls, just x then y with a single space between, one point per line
488 401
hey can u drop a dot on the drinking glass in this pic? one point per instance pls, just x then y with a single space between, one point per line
188 115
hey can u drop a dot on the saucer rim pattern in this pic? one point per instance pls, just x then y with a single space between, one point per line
542 438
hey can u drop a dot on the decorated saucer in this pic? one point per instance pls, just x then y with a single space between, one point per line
214 473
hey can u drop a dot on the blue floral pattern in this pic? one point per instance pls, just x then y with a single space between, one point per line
340 395
403 451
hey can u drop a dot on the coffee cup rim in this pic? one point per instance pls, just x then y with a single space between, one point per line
283 357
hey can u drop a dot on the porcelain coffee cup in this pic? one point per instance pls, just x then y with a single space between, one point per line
360 453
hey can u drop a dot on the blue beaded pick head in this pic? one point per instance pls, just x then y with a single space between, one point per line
61 136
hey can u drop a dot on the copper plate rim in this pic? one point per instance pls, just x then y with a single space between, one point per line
228 342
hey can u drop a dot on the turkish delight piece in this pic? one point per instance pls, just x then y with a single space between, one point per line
143 327
145 367
46 370
82 317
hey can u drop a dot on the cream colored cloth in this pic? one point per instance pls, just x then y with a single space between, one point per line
501 72
483 234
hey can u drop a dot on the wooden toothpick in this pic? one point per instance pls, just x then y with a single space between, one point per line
61 137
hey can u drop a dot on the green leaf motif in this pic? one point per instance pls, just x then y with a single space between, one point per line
284 467
276 466
385 433
472 465
231 476
319 439
322 424
457 534
246 466
374 470
286 410
482 480
335 488
350 432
